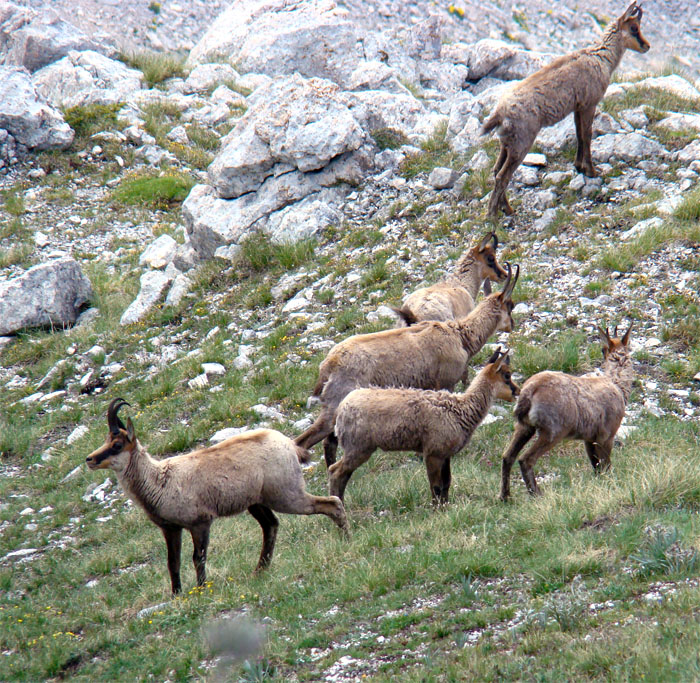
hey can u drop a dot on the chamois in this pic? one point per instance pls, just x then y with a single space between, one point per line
572 83
257 471
428 355
436 424
559 406
454 297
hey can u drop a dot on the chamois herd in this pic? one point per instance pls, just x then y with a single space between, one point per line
393 389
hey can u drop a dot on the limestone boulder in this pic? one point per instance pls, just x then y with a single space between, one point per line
278 37
294 123
84 78
626 147
30 120
48 295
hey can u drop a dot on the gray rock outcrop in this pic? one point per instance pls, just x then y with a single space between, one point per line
50 294
84 78
278 37
24 114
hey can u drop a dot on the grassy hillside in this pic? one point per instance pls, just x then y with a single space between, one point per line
595 580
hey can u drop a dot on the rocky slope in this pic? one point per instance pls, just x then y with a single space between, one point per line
273 195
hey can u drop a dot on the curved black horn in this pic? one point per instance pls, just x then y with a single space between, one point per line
495 356
495 240
510 285
113 421
615 331
625 339
504 291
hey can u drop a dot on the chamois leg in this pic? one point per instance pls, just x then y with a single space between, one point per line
267 520
523 433
578 162
590 452
200 540
339 474
501 159
299 502
434 463
584 131
599 455
542 444
319 430
498 196
330 448
173 540
446 474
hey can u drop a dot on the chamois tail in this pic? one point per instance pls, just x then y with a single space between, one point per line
406 315
302 454
492 122
522 409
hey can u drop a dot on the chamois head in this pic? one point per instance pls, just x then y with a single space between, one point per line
484 253
498 370
629 25
120 441
613 344
506 322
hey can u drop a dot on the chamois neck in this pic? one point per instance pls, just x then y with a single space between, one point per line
476 401
140 478
618 367
610 48
479 325
467 273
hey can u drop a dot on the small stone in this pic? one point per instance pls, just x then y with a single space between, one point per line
227 433
198 382
534 159
577 182
78 433
296 304
18 554
40 239
149 610
441 178
26 511
522 307
213 369
72 474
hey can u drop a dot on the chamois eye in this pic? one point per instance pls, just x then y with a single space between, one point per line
117 445
490 259
634 31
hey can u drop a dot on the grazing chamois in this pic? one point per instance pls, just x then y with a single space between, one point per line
428 355
257 471
559 406
454 297
436 424
573 83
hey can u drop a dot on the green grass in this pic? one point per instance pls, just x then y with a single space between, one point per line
156 66
153 191
90 119
435 152
388 138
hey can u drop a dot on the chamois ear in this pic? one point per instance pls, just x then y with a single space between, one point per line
485 241
605 339
495 356
500 362
130 432
626 338
634 11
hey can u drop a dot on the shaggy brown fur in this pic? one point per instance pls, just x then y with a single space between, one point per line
573 83
454 297
258 472
429 355
559 406
436 424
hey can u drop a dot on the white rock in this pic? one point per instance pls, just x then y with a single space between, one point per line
41 239
690 153
674 84
626 146
178 134
72 474
181 285
227 433
276 38
680 122
577 182
204 76
87 78
159 253
533 159
48 294
19 554
26 511
441 178
267 412
296 304
153 608
641 227
545 220
153 286
198 382
213 369
522 307
78 433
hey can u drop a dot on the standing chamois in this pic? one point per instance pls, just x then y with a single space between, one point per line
257 471
573 83
455 296
559 406
428 355
436 424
